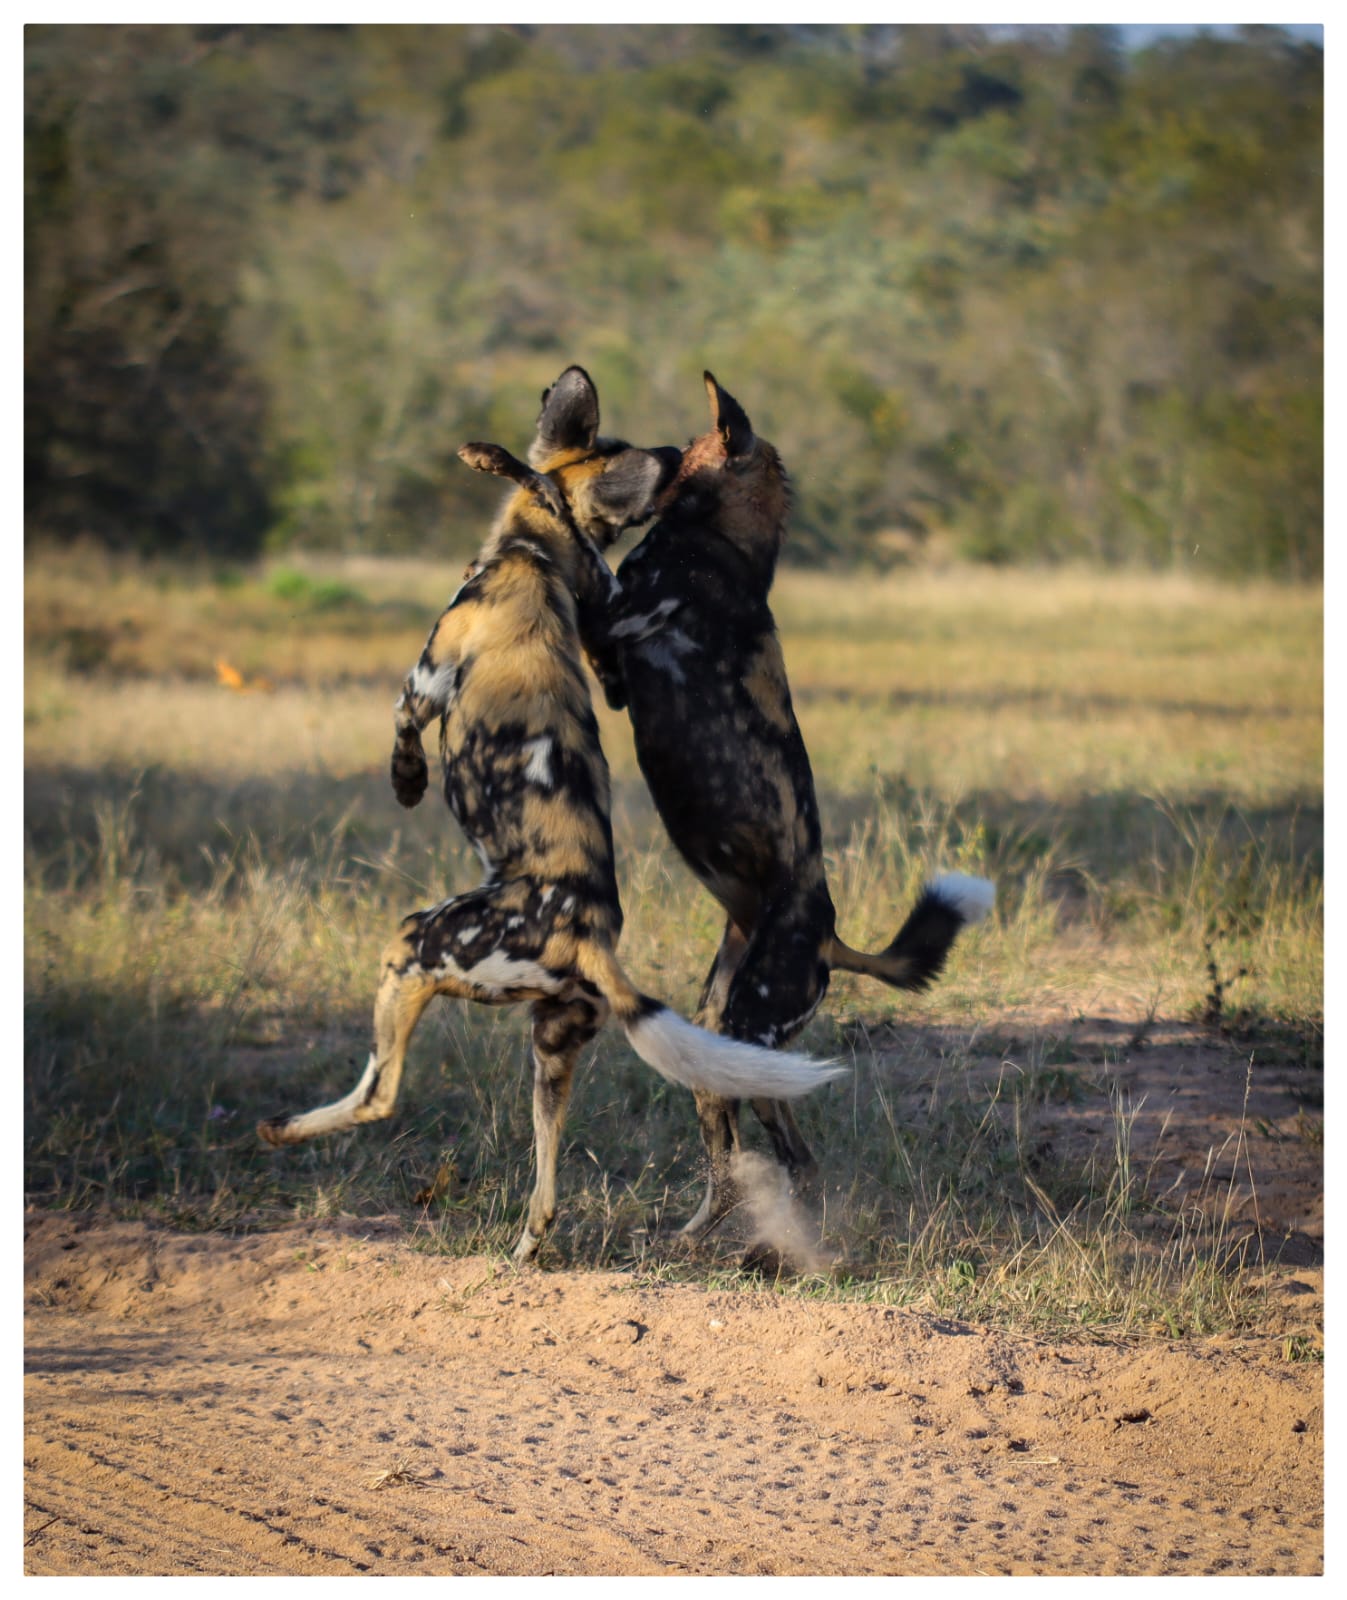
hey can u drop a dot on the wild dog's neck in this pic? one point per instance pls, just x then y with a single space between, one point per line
748 515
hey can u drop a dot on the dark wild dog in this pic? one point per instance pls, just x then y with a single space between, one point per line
526 779
688 644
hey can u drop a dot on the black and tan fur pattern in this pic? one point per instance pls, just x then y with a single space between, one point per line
525 777
688 644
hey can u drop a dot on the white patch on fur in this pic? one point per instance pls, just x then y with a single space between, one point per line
468 933
971 897
666 653
438 687
539 766
547 894
689 1055
636 628
501 972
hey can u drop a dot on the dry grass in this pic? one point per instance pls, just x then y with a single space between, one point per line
211 873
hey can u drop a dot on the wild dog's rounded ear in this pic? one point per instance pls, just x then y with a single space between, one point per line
569 419
629 483
729 417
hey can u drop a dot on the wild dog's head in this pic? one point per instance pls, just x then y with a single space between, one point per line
608 485
733 480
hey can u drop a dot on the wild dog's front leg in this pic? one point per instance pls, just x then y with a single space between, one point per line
404 991
427 692
408 770
561 1030
596 595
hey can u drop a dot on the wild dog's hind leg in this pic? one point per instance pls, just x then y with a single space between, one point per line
763 988
716 989
778 984
561 1030
718 1118
479 946
788 1143
404 991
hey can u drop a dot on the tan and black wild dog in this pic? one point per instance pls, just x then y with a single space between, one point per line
525 777
688 644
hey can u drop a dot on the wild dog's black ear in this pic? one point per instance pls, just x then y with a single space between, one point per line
729 417
569 419
630 481
498 461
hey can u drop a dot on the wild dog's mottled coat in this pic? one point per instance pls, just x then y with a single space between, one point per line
526 779
688 644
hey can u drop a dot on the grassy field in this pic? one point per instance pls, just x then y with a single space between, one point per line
213 860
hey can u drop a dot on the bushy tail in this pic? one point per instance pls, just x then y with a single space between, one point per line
689 1055
915 958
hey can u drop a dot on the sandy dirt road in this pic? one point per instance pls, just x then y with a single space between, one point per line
327 1399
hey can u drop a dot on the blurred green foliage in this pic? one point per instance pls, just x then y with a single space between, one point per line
1021 293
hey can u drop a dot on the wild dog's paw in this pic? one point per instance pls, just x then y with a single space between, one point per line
498 461
492 458
408 770
272 1131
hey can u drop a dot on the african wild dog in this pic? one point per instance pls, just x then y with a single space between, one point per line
688 644
525 777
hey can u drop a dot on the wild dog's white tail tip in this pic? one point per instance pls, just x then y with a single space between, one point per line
971 897
689 1055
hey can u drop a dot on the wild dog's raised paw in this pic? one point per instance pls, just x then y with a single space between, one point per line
408 770
496 460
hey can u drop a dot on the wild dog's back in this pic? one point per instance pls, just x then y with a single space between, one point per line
523 770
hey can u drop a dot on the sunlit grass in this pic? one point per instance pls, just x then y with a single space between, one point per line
210 875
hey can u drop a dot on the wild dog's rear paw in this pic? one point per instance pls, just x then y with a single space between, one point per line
272 1131
804 1174
409 773
526 1251
763 1257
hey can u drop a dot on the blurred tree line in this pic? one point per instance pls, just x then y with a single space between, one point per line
1022 292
